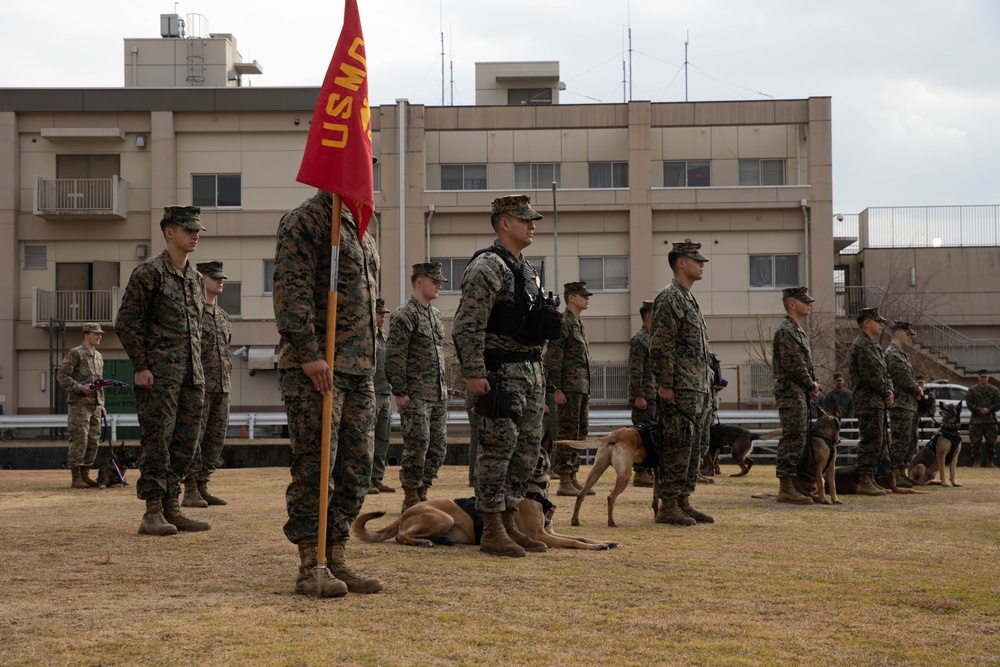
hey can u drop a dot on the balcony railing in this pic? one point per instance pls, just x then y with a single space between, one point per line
75 307
62 198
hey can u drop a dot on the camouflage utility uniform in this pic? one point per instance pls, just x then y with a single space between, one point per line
508 446
415 368
216 336
159 326
640 378
903 413
383 411
983 428
794 378
301 291
80 367
842 399
872 384
567 368
679 355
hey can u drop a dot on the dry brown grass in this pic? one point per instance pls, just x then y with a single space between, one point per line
905 580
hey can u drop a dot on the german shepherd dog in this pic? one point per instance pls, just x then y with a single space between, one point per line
848 479
112 473
817 467
448 522
940 451
738 440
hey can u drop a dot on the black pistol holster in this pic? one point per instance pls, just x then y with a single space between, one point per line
497 403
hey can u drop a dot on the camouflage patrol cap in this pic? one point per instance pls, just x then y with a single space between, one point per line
188 217
646 307
518 206
983 373
429 269
380 306
799 293
838 376
870 314
689 248
212 270
92 327
578 288
899 325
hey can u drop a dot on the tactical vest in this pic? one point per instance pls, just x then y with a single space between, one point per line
530 320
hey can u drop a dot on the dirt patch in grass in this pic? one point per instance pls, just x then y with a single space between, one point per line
866 583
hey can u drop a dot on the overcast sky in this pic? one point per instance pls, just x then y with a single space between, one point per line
915 83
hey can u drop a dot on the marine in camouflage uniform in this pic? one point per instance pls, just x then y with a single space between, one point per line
508 445
641 385
415 368
159 326
567 368
794 384
302 263
383 406
903 414
81 366
839 396
983 401
217 362
681 362
872 396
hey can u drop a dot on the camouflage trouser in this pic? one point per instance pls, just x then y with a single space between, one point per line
871 445
793 411
574 417
903 425
214 422
383 428
170 419
983 438
647 416
474 423
425 441
84 433
508 448
550 422
351 445
684 422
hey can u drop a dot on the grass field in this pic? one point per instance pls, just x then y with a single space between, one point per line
902 580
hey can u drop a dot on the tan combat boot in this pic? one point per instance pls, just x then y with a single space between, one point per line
523 541
495 539
85 476
902 481
643 479
670 512
356 583
153 522
684 503
422 493
867 487
78 482
208 497
172 513
410 498
306 584
381 487
192 498
787 493
566 487
975 460
579 487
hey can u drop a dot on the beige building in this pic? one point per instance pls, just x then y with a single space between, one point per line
84 175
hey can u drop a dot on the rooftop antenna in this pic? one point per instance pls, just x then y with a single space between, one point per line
451 65
441 23
624 78
630 51
686 38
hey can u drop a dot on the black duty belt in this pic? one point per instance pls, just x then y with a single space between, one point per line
496 358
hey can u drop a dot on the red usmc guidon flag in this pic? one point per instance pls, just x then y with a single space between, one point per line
338 154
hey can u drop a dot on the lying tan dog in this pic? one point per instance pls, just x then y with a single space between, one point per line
941 450
448 522
848 479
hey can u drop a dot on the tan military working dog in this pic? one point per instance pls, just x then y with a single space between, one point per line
819 463
443 521
941 451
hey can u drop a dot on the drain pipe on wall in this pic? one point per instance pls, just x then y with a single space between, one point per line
805 218
403 273
427 243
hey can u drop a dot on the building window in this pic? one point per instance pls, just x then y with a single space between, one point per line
376 178
762 172
35 257
772 272
268 277
604 274
216 190
609 174
229 300
453 269
529 96
687 174
537 176
463 177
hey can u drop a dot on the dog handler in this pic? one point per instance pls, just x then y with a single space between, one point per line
682 366
501 361
794 384
903 415
641 385
872 397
